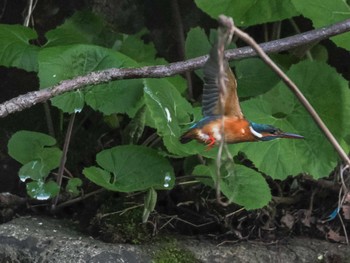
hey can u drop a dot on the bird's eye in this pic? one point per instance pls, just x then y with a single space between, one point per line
275 131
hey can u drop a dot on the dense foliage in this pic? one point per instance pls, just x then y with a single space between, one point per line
85 43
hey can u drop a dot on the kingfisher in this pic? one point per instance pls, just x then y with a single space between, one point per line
222 114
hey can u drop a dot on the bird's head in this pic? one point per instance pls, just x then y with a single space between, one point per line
265 132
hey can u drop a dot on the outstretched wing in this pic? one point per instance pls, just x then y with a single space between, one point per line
211 90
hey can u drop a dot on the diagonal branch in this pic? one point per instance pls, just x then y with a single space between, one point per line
28 100
293 87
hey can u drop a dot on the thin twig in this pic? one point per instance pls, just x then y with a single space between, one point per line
2 11
79 199
344 229
188 182
28 100
49 122
121 212
276 30
297 30
245 37
235 212
343 192
29 14
63 158
224 37
150 139
312 198
341 173
176 217
181 43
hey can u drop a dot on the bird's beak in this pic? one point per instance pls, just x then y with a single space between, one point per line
290 136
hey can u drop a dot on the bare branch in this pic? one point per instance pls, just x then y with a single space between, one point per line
27 100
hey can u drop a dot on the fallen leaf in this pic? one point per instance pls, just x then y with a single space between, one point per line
288 220
332 235
346 211
346 207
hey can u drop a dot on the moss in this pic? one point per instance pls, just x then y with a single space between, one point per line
171 252
124 226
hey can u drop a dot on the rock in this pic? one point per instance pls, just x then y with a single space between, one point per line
30 239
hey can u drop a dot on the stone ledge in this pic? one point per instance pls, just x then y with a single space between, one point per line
30 239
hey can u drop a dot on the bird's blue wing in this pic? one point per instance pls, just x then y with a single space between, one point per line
211 90
211 93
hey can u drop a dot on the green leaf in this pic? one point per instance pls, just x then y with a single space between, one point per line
131 168
15 49
342 40
323 13
133 131
178 82
27 146
197 43
123 96
66 62
33 150
82 28
42 191
249 12
168 109
51 157
73 185
100 177
280 108
136 48
169 114
240 185
254 77
150 204
319 53
34 170
70 101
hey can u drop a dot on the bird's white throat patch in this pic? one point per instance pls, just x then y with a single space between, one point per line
216 133
255 133
204 137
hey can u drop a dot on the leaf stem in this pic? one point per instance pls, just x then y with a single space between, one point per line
79 199
63 158
177 19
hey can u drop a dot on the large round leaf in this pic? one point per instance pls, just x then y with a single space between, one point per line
131 168
70 61
15 49
239 184
28 146
328 92
249 12
323 13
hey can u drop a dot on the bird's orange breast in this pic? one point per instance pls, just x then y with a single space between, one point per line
235 130
238 131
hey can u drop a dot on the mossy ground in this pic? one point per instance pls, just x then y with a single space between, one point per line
172 252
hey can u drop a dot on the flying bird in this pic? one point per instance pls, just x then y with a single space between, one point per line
222 114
